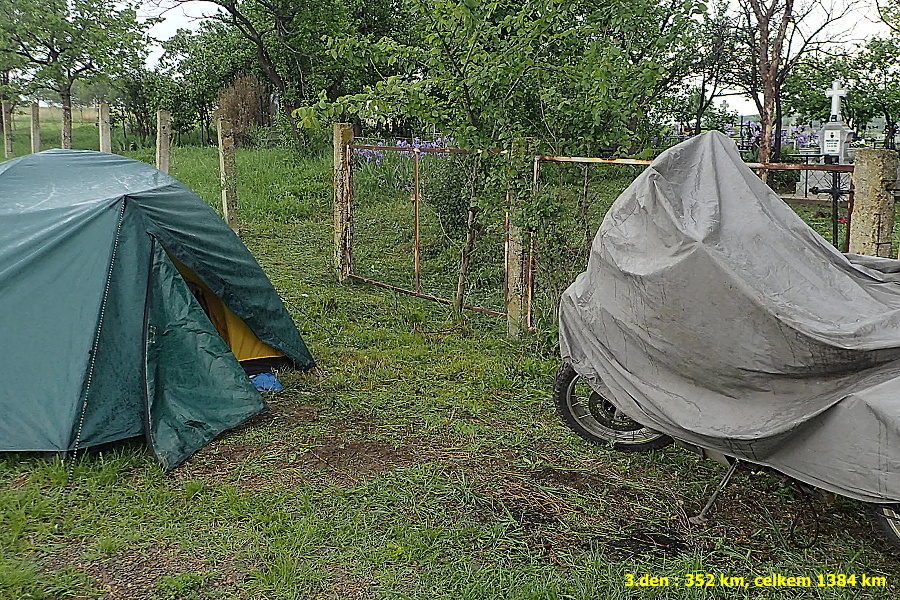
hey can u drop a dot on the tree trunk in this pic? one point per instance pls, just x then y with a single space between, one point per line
66 130
769 56
701 108
766 121
776 148
890 131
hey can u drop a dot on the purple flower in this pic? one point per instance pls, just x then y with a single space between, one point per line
371 155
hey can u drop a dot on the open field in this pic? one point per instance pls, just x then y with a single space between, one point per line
421 460
85 132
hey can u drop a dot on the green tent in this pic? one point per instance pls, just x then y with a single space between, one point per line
126 304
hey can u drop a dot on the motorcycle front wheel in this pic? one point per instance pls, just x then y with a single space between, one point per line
887 521
595 419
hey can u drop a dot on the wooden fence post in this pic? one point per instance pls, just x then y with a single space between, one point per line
6 122
343 201
872 226
105 129
35 128
518 251
227 169
162 140
515 272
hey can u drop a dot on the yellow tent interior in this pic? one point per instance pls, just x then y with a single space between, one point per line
240 338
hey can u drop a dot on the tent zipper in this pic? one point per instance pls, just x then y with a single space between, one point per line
96 343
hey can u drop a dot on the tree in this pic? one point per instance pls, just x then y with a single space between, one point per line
715 53
11 85
683 109
145 92
583 76
877 85
889 11
872 77
803 91
201 64
775 35
287 39
64 41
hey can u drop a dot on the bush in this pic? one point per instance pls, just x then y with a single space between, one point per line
244 103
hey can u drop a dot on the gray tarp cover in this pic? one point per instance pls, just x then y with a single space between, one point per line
710 311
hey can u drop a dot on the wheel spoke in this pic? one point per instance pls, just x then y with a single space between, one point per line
592 416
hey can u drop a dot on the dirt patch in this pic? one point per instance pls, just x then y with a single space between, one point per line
337 461
292 414
361 456
348 586
526 513
641 542
135 573
578 480
217 460
530 506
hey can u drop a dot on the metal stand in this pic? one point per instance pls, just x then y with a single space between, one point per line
701 518
836 193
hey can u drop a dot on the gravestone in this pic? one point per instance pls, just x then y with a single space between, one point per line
834 142
834 137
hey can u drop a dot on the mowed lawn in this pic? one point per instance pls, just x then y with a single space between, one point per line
421 460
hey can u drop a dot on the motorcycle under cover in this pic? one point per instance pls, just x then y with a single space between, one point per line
710 311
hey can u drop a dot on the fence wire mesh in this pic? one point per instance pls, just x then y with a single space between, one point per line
411 201
384 191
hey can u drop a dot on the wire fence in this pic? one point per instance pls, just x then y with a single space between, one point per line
413 199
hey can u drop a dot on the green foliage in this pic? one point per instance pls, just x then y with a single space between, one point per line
209 58
144 92
871 74
490 72
197 66
889 11
288 41
61 41
683 108
458 181
804 90
719 117
877 85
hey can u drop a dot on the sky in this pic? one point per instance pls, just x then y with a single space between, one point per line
860 24
182 16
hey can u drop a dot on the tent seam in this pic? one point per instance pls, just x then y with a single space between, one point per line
96 342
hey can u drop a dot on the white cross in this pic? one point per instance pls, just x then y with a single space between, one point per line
835 93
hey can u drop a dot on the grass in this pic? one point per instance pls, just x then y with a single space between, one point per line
421 460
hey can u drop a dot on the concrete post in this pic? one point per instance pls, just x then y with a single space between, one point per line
35 128
228 179
162 140
343 201
105 128
872 226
